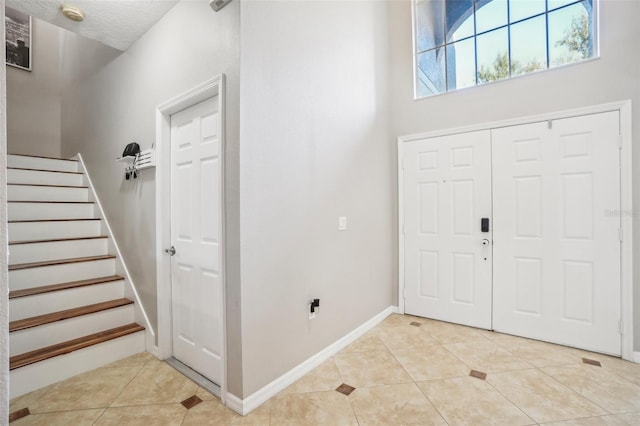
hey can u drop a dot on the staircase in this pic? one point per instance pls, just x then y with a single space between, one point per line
67 307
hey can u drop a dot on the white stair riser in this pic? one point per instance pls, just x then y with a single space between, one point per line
45 303
35 376
41 163
40 252
43 177
55 274
60 331
26 231
40 211
46 193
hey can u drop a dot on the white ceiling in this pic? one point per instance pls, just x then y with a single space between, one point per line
116 23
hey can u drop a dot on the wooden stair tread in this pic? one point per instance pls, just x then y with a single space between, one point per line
62 286
56 240
53 202
42 156
43 170
62 348
66 314
48 185
51 220
18 266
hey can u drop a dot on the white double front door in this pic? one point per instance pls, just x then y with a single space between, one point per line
447 193
549 266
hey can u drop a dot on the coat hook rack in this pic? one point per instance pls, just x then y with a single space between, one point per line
135 163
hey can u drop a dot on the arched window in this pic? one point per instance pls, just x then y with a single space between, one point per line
461 43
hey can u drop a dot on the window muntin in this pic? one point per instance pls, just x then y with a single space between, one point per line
461 43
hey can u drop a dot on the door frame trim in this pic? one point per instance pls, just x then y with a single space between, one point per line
205 90
626 205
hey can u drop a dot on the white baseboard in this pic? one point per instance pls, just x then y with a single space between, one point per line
636 357
150 342
256 399
234 403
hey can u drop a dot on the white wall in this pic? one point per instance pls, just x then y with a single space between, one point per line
4 257
315 145
110 99
34 98
613 77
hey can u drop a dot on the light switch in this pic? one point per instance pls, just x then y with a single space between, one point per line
342 223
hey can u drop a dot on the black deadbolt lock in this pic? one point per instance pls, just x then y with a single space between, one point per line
484 224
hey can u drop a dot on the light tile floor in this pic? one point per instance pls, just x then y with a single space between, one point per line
406 371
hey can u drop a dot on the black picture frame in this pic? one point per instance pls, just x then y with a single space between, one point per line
18 38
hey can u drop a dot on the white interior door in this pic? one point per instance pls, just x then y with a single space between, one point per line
557 250
195 233
447 184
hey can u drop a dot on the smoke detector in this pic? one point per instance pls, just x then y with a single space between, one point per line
216 5
73 13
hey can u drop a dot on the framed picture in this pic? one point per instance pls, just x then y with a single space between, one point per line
18 38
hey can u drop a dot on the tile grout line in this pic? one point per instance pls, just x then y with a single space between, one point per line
353 410
119 393
99 416
508 399
184 416
128 383
53 386
414 382
574 391
342 380
431 402
443 346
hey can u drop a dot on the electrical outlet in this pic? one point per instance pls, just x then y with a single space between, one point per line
312 312
342 223
313 308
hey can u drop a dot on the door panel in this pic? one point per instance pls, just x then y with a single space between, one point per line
556 253
195 233
447 192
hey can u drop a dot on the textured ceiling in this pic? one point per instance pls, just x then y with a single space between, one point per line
116 23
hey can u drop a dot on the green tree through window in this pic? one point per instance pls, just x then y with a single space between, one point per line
462 43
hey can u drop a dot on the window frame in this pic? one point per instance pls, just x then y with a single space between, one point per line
414 35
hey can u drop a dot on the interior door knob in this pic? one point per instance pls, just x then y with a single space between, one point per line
170 251
485 242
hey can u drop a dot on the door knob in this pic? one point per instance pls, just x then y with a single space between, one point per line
170 251
485 242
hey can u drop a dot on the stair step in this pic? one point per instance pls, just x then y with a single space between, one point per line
40 176
40 374
43 170
98 266
62 348
46 185
56 240
19 266
42 210
50 220
41 251
39 162
69 313
24 230
62 286
42 156
61 299
30 339
51 202
39 192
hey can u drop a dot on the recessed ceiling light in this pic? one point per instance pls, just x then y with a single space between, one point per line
73 13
